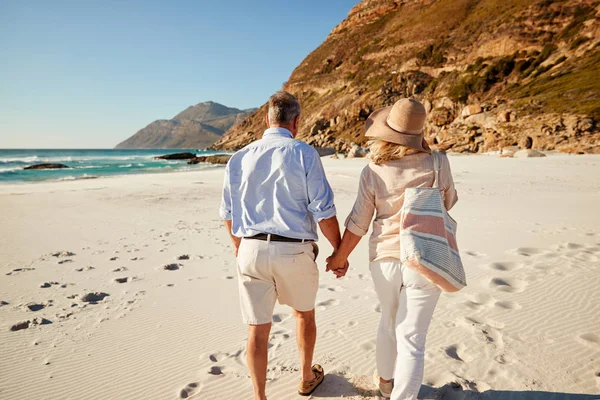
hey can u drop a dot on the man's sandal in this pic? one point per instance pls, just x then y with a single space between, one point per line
305 388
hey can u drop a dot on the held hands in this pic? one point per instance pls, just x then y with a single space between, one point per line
337 264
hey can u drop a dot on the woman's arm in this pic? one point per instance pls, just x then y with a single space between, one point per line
357 224
338 262
450 194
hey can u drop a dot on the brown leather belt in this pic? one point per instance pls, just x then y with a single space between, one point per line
277 238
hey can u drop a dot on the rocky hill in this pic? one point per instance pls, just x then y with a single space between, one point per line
491 73
197 126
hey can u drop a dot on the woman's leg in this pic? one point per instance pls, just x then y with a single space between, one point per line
387 279
418 299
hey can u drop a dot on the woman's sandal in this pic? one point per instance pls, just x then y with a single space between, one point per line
305 388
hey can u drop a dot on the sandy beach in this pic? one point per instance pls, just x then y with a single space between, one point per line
84 262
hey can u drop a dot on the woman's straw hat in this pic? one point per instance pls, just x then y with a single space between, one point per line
401 123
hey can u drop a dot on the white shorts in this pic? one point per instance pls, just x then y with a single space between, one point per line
270 271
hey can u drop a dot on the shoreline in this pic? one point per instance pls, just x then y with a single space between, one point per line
207 166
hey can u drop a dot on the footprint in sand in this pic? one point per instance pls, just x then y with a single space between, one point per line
94 297
529 251
459 353
183 257
189 390
35 306
509 285
215 370
503 359
478 301
18 270
122 280
589 338
172 267
503 266
508 305
280 317
63 254
474 254
328 303
369 345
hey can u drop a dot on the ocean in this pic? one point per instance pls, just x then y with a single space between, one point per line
89 164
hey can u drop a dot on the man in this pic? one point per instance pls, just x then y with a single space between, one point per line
275 192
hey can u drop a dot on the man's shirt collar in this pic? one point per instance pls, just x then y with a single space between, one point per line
280 132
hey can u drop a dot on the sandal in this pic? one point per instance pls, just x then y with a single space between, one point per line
305 388
385 389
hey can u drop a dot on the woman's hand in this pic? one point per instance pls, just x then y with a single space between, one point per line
337 264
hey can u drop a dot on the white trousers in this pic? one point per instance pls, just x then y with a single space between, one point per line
407 302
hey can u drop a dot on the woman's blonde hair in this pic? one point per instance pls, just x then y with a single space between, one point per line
382 151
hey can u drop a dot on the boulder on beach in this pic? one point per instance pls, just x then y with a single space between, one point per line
218 159
325 151
530 153
357 152
47 166
509 151
176 156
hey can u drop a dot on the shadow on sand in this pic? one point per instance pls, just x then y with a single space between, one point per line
336 386
455 392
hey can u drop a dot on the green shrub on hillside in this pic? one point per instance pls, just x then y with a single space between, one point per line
432 55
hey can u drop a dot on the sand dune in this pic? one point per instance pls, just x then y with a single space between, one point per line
125 288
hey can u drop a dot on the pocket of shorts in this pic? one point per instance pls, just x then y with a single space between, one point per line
247 255
294 250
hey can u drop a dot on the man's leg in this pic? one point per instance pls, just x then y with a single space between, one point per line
306 336
257 357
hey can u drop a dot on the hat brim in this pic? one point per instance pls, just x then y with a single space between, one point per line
378 128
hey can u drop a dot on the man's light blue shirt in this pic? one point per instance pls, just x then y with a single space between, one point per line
276 185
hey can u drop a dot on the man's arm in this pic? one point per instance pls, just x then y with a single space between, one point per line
225 211
234 239
331 229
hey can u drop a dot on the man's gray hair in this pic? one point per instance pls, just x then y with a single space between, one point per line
283 108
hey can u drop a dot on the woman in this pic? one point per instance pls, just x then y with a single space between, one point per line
400 158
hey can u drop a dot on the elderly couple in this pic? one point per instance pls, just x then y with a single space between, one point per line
274 195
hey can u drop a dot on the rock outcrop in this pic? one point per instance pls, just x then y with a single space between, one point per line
221 159
197 126
489 76
176 156
47 166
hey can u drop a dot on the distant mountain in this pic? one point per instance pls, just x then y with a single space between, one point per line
197 126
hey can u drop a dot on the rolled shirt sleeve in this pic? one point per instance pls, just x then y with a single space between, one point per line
320 195
359 220
225 209
447 184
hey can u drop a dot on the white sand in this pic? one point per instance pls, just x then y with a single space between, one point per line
529 232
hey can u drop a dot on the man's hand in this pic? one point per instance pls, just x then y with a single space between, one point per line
337 264
234 239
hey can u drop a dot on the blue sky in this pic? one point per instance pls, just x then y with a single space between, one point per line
79 74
